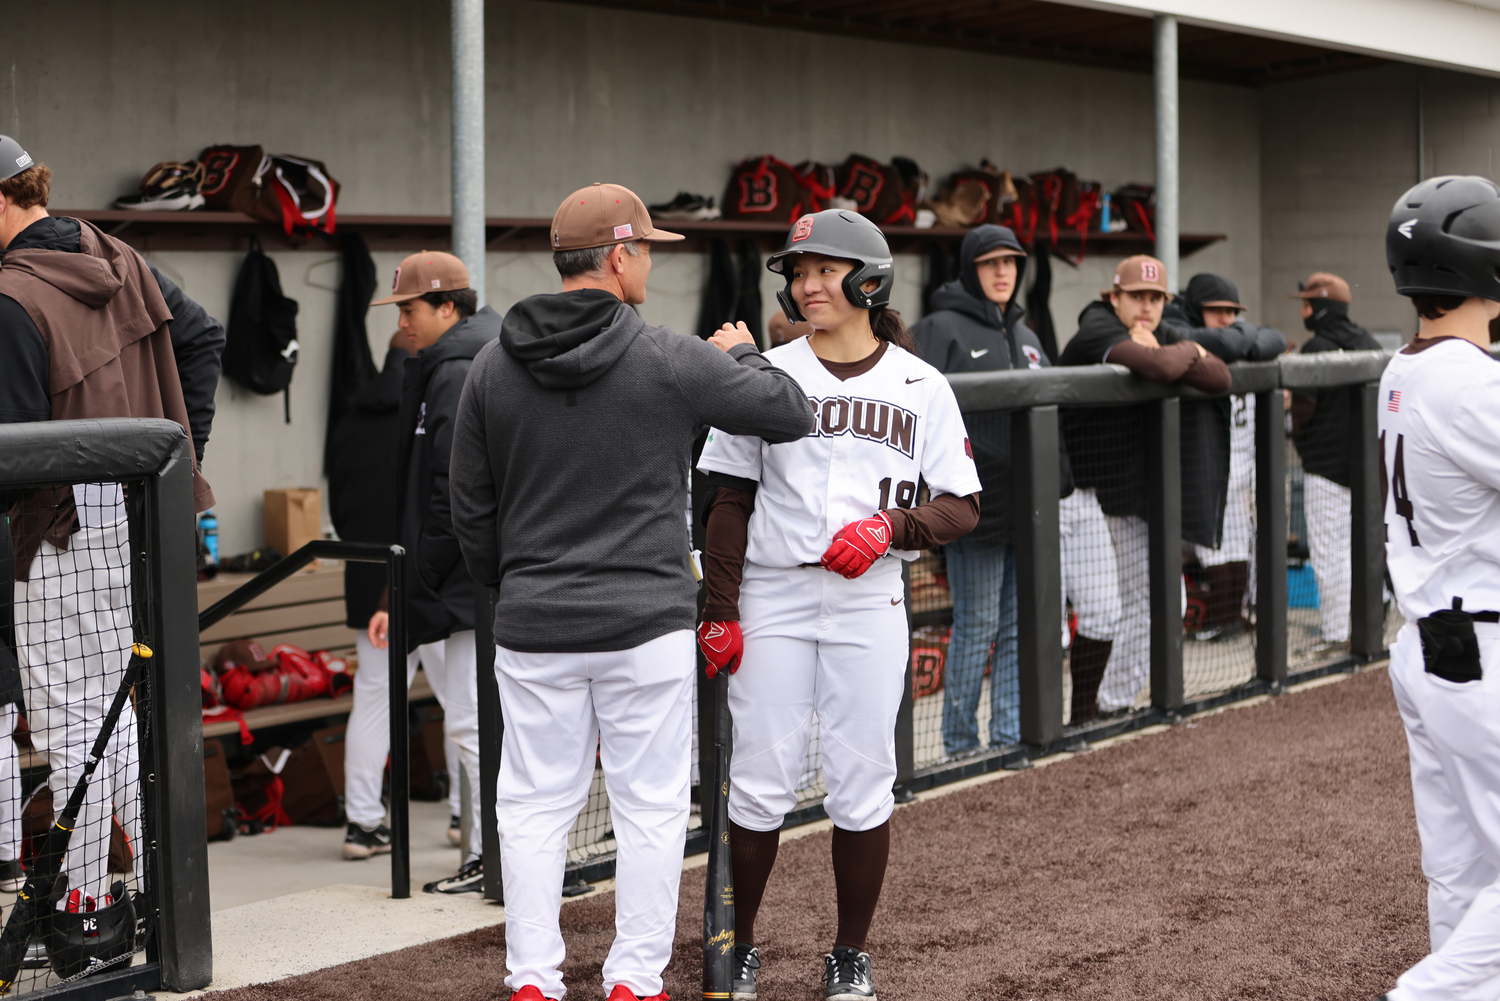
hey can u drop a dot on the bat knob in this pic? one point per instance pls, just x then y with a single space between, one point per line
141 650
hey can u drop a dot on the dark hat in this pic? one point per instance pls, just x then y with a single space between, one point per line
1210 290
13 159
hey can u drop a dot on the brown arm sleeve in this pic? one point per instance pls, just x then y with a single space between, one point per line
936 523
1209 374
724 553
1167 363
1172 362
1303 408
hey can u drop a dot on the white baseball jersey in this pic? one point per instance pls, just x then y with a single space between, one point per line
1439 415
878 436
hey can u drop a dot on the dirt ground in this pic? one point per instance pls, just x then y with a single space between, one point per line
1266 852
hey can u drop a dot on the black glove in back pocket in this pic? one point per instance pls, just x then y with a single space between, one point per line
1450 649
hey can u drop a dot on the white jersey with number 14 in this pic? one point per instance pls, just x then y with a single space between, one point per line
879 436
1439 414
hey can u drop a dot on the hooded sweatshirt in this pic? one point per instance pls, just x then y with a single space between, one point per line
361 469
440 592
1104 443
966 332
1320 417
104 332
571 460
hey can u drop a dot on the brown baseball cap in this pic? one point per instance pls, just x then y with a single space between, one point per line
1139 273
1322 285
428 271
602 215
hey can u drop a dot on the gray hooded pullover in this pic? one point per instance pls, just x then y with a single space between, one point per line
569 471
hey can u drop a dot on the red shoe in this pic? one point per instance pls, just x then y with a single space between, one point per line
530 993
623 993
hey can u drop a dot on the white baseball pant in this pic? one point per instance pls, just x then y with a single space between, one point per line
1327 509
1090 576
10 786
635 707
1453 739
1129 669
817 644
450 666
73 638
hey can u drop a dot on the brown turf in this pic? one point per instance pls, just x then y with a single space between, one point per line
1268 852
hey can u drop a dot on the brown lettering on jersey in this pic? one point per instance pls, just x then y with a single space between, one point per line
872 420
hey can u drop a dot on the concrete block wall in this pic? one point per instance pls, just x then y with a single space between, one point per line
574 94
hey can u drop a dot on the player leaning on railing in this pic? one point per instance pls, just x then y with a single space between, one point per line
1439 413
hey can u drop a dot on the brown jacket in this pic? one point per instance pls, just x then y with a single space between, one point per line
105 325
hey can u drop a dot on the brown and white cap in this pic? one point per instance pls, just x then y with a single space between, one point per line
1138 274
428 271
602 215
1322 285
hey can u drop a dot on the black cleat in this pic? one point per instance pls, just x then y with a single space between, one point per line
468 879
846 975
746 962
361 842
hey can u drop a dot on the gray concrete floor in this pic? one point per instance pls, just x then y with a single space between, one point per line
293 859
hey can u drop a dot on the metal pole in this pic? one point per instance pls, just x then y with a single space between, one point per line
1035 473
1167 219
1164 515
468 139
1366 526
396 648
1270 537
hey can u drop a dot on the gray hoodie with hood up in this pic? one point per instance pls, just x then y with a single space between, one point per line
570 467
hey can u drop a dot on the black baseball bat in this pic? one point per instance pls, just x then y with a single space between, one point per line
37 893
718 897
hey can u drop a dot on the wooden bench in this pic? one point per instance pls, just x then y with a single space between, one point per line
307 611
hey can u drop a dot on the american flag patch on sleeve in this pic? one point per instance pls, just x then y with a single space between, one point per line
1393 401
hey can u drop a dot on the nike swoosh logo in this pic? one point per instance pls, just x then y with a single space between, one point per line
910 381
897 601
980 353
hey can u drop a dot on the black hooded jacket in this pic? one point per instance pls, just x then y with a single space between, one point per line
966 332
570 467
361 470
1320 418
440 590
1205 424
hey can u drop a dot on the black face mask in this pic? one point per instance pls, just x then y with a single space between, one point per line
1322 308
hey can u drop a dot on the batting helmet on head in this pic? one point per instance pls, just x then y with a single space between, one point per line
1444 238
843 234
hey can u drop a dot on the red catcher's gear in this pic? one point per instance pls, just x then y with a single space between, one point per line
722 644
858 545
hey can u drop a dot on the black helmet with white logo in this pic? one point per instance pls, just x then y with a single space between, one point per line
13 159
1444 238
838 233
85 939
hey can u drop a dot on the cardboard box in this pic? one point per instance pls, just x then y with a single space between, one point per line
294 517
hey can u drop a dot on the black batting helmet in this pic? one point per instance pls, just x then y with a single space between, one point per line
839 233
1444 238
77 941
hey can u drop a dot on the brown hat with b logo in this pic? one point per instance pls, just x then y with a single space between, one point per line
602 215
1322 285
1138 274
428 271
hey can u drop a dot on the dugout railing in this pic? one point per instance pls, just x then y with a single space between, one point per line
151 461
1262 662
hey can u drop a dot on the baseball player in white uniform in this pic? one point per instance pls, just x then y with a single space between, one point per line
1439 416
819 626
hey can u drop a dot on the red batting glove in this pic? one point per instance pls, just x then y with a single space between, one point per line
858 545
722 644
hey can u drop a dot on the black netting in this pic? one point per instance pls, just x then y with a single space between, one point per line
77 612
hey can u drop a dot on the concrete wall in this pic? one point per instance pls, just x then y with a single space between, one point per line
575 94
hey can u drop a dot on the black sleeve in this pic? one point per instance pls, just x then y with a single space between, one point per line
1266 344
197 343
24 373
440 551
1225 343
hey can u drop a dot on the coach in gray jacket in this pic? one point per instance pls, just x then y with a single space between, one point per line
569 480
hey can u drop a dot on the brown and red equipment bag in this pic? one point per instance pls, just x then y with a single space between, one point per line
1066 203
885 193
295 192
1136 204
766 189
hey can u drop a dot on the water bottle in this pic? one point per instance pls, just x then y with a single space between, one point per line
1104 213
208 527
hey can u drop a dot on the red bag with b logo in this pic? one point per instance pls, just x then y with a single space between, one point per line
885 193
770 190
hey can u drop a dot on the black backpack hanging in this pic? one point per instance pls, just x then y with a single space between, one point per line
260 349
